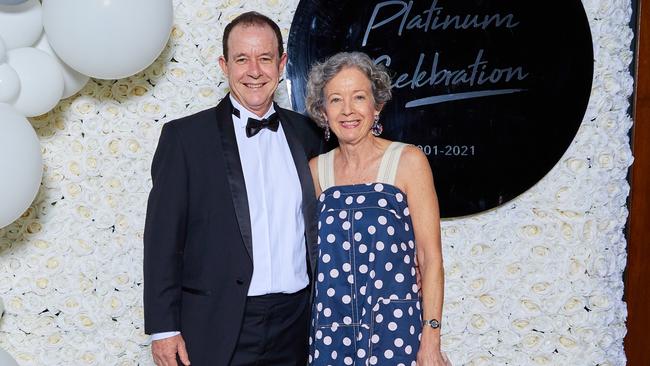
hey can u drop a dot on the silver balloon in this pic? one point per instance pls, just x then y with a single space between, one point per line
11 2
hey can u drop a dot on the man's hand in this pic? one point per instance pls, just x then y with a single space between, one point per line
164 351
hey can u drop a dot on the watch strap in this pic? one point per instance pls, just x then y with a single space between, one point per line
433 323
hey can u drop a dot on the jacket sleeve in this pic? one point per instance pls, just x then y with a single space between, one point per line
165 233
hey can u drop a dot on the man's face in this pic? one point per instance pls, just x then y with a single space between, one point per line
253 66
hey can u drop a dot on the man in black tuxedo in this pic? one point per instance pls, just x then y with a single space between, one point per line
230 233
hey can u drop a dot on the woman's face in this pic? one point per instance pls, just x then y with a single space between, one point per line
349 105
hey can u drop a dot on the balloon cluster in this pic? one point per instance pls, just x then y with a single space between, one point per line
48 52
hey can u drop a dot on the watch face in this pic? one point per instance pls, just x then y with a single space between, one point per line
493 92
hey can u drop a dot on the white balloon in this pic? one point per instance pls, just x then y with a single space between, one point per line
9 84
3 51
41 80
11 2
21 25
108 39
6 359
73 80
20 163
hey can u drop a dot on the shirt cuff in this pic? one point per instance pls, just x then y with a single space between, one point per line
163 335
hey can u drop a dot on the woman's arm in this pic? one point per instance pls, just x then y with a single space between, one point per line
414 175
313 166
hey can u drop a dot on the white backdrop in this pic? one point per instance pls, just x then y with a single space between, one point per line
536 281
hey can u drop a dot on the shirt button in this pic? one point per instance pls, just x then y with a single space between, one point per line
240 281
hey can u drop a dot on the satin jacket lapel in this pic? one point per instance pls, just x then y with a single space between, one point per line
308 195
234 171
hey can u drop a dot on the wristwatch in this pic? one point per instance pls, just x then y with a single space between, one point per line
433 323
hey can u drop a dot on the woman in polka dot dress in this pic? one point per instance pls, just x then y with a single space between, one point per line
368 309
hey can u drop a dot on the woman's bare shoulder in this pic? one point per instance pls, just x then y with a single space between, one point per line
414 161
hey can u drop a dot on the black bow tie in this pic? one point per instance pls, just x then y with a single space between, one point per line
254 126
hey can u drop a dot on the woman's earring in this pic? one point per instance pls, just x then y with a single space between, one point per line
327 133
376 128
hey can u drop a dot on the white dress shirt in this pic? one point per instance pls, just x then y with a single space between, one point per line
275 206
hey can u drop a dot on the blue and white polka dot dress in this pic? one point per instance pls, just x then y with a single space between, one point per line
366 309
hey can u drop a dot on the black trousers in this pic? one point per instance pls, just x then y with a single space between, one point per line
275 331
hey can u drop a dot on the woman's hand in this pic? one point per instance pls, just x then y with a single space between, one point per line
430 355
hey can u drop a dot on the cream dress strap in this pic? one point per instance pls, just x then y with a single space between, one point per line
326 170
390 162
387 167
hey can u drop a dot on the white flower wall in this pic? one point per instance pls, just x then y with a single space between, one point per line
536 281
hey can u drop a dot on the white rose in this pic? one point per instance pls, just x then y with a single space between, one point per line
83 107
513 270
151 108
478 324
450 341
520 326
573 305
600 301
472 357
488 303
208 94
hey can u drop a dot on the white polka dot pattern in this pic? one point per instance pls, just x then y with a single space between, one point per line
366 309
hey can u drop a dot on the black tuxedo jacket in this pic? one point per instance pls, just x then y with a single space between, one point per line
197 238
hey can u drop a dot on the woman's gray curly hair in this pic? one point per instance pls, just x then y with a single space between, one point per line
321 73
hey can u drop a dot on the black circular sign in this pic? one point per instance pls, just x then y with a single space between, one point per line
492 91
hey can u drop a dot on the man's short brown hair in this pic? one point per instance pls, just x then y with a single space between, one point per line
248 19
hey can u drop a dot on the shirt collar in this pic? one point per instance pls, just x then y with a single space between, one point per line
244 113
